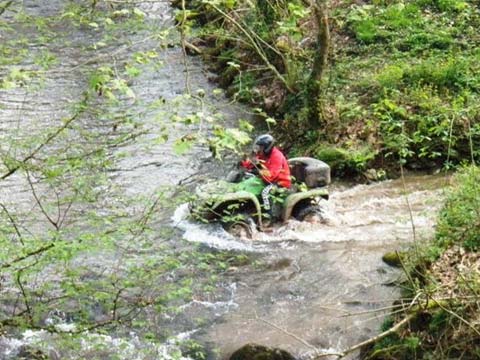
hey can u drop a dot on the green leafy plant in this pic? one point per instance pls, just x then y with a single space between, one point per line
460 217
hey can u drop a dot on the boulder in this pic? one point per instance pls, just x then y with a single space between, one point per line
393 258
260 352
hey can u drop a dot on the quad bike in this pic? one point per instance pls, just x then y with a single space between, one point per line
236 201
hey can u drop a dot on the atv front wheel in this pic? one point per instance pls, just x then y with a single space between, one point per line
311 214
243 228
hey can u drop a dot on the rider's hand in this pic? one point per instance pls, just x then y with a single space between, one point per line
264 173
260 163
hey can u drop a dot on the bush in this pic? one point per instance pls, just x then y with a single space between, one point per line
450 73
459 221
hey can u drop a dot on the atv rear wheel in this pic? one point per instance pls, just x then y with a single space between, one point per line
311 214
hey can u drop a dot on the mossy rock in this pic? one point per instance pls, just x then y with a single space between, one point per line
338 159
27 352
393 258
332 154
226 77
346 162
260 352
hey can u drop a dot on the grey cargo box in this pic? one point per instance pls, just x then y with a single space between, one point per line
314 173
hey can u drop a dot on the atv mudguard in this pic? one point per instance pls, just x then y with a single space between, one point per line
216 197
239 197
294 199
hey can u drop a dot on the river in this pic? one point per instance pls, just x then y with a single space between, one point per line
310 287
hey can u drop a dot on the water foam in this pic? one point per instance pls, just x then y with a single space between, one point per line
374 213
211 234
126 349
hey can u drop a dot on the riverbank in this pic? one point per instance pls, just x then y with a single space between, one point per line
399 85
437 316
101 144
399 92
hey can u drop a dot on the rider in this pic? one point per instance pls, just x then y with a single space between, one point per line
272 166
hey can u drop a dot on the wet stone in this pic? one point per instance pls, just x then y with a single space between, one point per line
29 353
393 258
260 352
280 264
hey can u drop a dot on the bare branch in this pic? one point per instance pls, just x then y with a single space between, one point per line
5 6
304 342
257 47
49 138
382 335
27 255
13 222
39 203
24 295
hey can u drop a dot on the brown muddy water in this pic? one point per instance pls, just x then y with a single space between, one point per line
318 287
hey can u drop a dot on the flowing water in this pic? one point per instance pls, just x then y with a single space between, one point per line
317 287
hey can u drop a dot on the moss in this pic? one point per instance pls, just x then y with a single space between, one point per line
345 162
393 258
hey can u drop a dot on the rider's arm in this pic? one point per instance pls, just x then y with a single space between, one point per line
247 164
272 167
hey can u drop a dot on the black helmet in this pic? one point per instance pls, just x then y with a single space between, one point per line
264 141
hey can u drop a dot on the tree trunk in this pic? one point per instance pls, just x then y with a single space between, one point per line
320 63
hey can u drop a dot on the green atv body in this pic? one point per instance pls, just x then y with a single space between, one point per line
236 202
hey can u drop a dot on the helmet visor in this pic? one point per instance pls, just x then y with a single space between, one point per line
257 148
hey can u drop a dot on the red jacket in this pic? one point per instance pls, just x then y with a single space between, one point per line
275 168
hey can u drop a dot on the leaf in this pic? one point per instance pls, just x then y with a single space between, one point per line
181 146
230 4
240 136
233 64
132 71
217 92
246 126
163 138
138 12
130 93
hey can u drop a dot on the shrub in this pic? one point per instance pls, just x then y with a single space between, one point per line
391 76
450 73
459 220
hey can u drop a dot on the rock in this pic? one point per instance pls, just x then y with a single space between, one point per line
260 352
393 258
26 352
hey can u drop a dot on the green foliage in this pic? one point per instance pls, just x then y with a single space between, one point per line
438 322
459 219
401 71
77 243
372 23
450 73
228 140
452 5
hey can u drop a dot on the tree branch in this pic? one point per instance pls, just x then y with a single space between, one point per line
39 203
49 138
258 49
14 224
5 6
27 255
